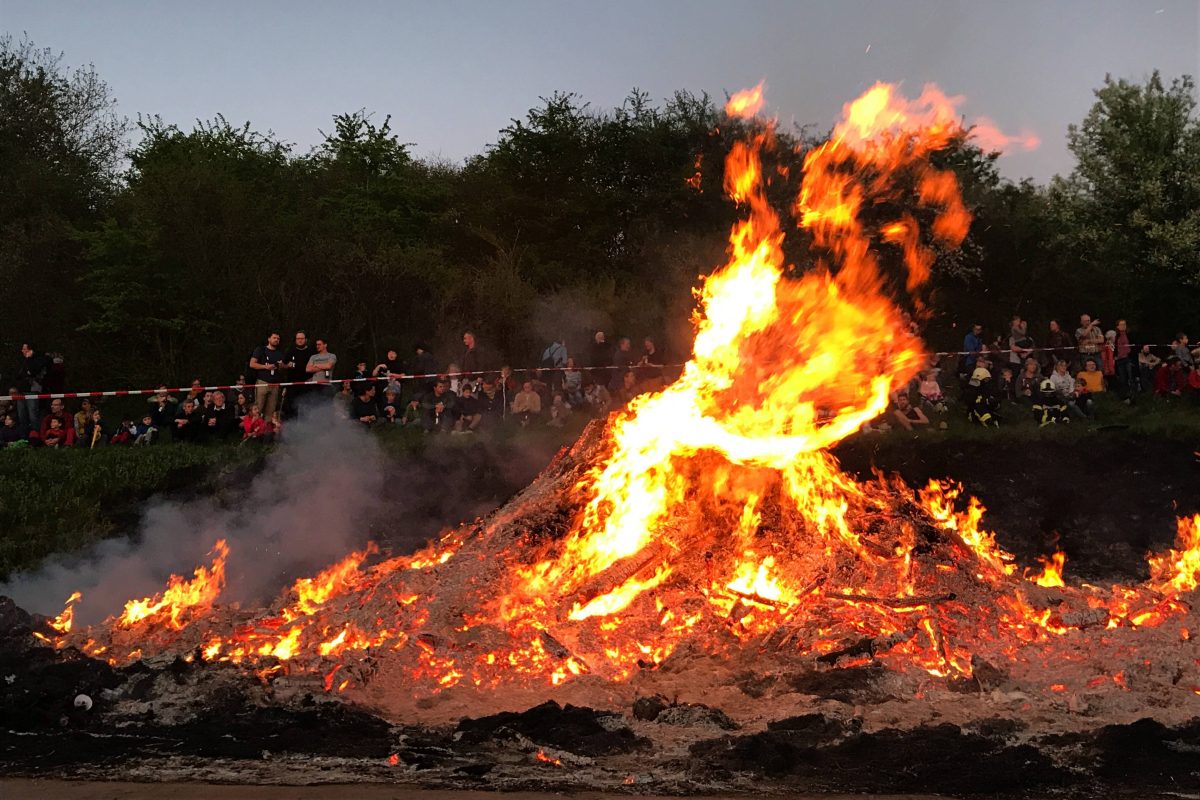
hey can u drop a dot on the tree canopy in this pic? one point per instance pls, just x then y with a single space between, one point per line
155 252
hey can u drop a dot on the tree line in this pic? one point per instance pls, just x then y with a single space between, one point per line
144 252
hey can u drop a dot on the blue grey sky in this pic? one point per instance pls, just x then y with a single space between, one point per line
452 73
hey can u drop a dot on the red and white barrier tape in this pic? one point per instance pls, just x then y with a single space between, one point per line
434 375
283 384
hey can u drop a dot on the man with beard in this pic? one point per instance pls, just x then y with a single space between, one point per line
265 363
295 361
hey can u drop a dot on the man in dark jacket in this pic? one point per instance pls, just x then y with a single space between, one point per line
30 378
423 363
295 362
219 421
188 424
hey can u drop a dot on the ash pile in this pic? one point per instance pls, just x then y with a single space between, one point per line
69 715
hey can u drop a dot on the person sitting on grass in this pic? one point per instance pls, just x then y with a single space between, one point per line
1083 397
411 418
1048 407
982 404
527 404
1006 388
560 409
1092 376
55 434
94 434
906 415
1028 382
254 427
468 411
147 432
1148 364
363 408
81 419
186 427
124 434
391 406
931 393
10 433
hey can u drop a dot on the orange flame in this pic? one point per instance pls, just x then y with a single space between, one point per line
746 103
181 596
1052 574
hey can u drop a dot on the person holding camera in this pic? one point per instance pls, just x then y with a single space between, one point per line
1089 339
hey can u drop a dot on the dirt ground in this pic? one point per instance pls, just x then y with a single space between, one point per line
98 790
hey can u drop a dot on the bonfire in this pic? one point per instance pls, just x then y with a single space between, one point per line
706 532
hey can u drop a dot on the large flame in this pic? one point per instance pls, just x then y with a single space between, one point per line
717 514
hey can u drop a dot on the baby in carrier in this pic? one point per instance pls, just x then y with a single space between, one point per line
1048 406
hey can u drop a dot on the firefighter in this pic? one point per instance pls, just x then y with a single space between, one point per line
982 404
1049 408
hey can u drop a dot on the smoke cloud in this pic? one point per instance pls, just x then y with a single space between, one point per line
327 489
309 506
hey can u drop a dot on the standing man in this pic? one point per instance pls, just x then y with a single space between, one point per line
31 375
622 360
472 361
265 363
1089 339
295 360
320 368
1058 346
1125 361
972 346
601 352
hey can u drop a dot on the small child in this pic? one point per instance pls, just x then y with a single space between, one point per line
931 391
391 406
146 432
1007 388
56 436
1083 397
254 427
411 417
124 435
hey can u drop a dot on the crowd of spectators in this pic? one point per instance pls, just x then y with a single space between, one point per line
469 395
1052 381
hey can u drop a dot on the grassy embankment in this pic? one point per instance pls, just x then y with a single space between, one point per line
64 501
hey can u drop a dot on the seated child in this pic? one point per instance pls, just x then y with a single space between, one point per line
56 434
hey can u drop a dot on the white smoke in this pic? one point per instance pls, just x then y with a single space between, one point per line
308 507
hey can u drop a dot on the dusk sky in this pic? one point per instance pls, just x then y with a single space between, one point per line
453 73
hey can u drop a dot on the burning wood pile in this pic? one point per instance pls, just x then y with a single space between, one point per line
704 542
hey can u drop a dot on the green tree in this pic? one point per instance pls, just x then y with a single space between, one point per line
60 145
1132 205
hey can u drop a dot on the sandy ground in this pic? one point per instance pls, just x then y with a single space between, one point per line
96 790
